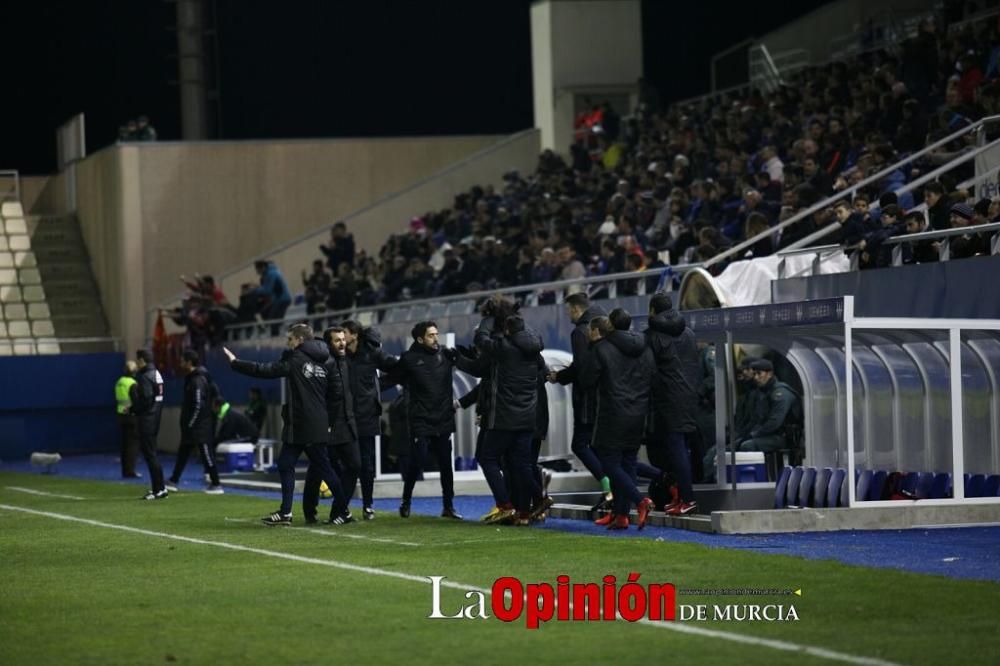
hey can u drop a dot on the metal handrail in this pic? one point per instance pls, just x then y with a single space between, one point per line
557 286
817 260
738 249
788 252
943 233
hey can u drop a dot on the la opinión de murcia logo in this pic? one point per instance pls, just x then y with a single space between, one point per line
608 601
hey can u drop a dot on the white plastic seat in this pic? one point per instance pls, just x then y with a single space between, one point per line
30 276
25 260
15 311
39 311
8 276
42 327
6 259
6 349
18 329
4 246
47 346
12 209
33 294
15 226
19 243
3 329
24 347
10 294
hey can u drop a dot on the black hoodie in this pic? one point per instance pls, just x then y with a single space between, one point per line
197 417
426 376
147 400
675 385
584 399
304 412
365 364
621 368
510 384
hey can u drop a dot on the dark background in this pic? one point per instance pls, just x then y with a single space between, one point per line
318 68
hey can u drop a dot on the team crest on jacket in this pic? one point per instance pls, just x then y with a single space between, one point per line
311 370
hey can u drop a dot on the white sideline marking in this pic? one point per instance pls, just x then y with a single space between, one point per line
671 626
334 533
42 492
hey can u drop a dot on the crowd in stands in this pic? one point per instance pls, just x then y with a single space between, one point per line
683 183
137 129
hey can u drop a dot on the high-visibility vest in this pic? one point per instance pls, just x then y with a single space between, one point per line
122 389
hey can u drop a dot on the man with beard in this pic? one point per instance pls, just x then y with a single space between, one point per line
621 369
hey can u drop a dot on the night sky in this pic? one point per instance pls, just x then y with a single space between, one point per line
318 68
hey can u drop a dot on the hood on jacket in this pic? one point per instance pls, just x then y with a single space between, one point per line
669 321
417 347
590 313
199 370
629 343
316 350
527 341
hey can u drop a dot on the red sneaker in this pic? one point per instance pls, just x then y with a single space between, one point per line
675 498
619 523
683 509
605 519
645 506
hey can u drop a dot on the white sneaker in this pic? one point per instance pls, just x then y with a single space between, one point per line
171 487
214 490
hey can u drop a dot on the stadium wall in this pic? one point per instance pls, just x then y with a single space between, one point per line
59 404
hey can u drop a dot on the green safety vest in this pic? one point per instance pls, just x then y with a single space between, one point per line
122 389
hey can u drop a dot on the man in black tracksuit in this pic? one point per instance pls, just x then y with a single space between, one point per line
674 398
509 400
343 447
233 426
364 351
147 405
305 425
425 372
581 313
621 368
197 423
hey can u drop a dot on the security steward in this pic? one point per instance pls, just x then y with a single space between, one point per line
147 405
126 421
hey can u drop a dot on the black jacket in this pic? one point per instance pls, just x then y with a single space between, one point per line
584 399
777 405
621 369
365 364
674 393
235 426
541 410
147 400
197 417
340 401
426 377
511 381
304 412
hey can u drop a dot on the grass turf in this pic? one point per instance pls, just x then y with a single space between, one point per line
81 593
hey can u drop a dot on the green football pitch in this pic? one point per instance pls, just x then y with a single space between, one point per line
91 575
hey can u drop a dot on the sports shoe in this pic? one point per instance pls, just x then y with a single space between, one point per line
214 490
605 519
277 519
501 516
368 513
645 506
309 520
449 512
342 519
619 523
404 510
675 498
488 517
542 507
155 496
133 475
171 486
522 519
546 480
683 509
604 503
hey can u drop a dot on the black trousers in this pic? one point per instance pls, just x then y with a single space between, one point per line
204 452
147 446
366 445
345 464
582 436
130 443
317 455
619 465
440 447
515 447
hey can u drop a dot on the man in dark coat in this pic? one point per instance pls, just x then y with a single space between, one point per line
425 372
147 405
777 406
581 312
233 425
621 368
342 449
365 353
305 424
197 423
674 396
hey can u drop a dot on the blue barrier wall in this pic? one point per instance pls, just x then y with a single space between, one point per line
59 404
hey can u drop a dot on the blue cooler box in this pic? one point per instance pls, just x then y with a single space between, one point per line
234 457
750 467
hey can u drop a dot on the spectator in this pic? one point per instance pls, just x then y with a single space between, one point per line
273 290
341 247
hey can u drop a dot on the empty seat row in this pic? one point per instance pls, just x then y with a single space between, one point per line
17 311
19 276
800 487
11 209
28 347
19 294
26 329
14 226
17 260
14 243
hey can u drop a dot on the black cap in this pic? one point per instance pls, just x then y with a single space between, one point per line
762 364
747 362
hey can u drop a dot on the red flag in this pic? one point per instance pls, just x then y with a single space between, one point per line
160 343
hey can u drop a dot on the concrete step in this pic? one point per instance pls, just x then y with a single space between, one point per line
80 326
46 236
67 271
691 522
61 253
86 305
78 289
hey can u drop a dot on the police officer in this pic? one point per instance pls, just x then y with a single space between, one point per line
581 312
343 441
425 371
621 369
126 421
232 425
364 351
305 427
777 405
147 405
197 423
